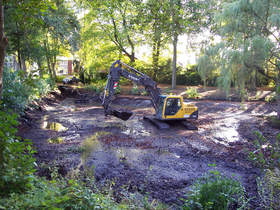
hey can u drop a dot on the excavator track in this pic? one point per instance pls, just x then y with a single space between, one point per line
188 125
163 125
159 124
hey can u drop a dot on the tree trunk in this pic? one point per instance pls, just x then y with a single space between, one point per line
3 45
23 65
53 70
174 62
39 63
278 98
156 53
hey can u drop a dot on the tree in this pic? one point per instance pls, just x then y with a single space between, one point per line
3 45
38 30
97 51
186 17
61 31
155 23
250 44
118 20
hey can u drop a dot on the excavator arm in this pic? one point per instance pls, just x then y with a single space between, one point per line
119 69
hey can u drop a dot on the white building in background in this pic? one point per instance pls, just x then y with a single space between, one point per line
64 65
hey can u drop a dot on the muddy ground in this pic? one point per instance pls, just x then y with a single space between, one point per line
75 136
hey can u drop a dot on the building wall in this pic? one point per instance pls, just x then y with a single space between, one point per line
70 70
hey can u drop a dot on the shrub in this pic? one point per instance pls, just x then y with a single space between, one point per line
271 97
19 90
269 189
97 87
17 163
214 191
58 194
59 78
266 154
135 90
188 76
192 93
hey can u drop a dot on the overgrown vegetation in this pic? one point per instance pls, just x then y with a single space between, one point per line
214 191
266 155
192 93
269 189
19 90
97 87
16 162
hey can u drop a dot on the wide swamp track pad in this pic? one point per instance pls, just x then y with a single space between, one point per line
159 124
165 125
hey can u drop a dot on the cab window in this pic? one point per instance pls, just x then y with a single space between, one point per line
172 106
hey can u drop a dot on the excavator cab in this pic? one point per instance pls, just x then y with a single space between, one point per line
160 107
174 108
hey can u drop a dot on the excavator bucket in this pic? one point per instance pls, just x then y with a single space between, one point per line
124 115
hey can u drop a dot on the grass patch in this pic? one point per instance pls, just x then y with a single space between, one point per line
214 191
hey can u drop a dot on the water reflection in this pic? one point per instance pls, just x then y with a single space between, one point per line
92 144
56 140
54 126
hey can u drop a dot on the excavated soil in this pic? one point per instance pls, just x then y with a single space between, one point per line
74 135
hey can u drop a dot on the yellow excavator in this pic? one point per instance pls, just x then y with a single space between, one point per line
167 107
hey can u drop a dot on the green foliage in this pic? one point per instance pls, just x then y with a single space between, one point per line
189 77
135 90
19 90
192 93
215 191
58 194
245 56
269 189
271 97
97 87
16 162
266 154
118 89
39 31
59 78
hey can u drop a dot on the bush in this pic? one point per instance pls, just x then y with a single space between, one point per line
266 154
188 76
19 90
214 191
97 87
60 78
58 194
17 163
269 189
192 93
135 90
271 97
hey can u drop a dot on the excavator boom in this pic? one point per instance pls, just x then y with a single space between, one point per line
117 70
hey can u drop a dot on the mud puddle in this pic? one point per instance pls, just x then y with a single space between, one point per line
135 154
